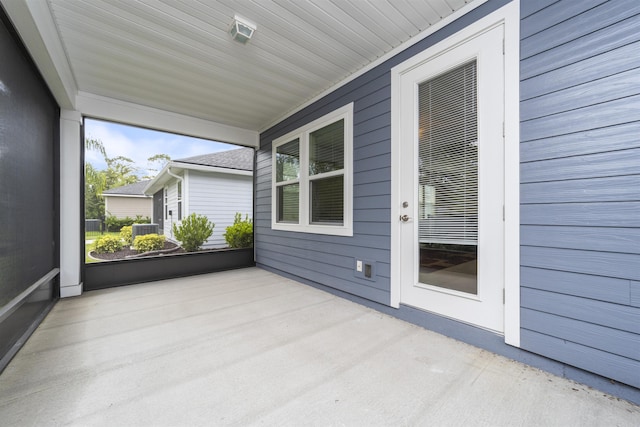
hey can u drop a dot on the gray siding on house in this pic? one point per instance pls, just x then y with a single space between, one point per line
219 196
330 260
580 184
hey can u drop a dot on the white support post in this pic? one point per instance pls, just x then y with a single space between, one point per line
70 215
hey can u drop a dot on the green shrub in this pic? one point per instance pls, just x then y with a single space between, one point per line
108 244
126 235
148 242
115 224
193 232
240 234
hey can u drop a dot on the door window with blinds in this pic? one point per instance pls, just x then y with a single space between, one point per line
312 176
448 179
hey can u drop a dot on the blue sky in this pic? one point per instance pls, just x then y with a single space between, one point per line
139 144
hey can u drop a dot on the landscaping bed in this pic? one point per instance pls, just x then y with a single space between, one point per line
126 253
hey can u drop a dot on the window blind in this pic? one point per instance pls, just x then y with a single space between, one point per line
326 169
448 157
327 200
287 176
326 149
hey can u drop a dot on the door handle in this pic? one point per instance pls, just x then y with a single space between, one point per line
404 218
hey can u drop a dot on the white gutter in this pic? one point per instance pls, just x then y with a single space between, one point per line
175 176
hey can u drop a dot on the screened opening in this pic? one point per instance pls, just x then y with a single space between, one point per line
448 179
157 194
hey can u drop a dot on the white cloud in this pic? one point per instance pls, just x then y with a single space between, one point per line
140 144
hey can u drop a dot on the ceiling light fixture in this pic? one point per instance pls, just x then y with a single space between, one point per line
241 30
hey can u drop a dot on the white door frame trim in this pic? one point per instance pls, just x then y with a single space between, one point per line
509 16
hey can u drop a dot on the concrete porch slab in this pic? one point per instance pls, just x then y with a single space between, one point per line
248 347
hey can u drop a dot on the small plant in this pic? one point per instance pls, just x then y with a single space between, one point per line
240 234
107 244
126 235
193 232
148 242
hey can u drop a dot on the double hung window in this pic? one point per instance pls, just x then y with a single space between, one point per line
312 176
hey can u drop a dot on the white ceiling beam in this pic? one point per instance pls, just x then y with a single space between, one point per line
104 108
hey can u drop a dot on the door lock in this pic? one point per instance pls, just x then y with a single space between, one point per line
404 218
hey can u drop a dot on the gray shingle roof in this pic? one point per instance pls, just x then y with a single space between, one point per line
240 158
134 189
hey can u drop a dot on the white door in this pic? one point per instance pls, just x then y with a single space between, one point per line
451 182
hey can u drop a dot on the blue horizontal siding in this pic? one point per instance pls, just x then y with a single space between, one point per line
530 7
615 61
549 13
596 165
595 43
606 89
580 185
612 138
568 21
608 264
634 293
604 239
606 364
616 112
322 275
609 189
607 289
588 311
621 214
590 335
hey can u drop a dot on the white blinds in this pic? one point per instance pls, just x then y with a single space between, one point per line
448 158
326 174
287 182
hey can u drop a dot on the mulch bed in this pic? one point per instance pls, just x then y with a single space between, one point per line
130 253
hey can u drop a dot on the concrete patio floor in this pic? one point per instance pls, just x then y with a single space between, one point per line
248 347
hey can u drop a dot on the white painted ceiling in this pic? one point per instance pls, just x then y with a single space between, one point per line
177 55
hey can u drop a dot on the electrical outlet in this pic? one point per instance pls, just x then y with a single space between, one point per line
359 266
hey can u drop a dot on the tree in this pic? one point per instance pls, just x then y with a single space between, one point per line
95 144
155 164
94 185
94 182
120 171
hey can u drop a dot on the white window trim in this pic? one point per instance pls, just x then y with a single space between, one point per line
302 133
165 203
509 16
179 199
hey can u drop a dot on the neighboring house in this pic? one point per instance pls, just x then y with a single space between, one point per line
481 179
216 185
128 201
